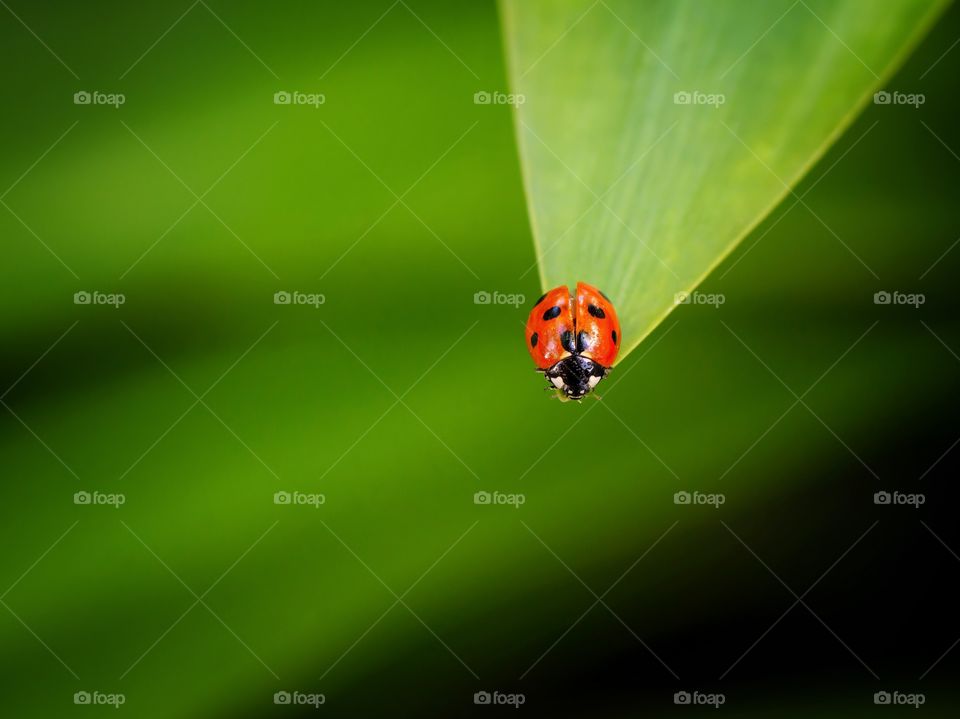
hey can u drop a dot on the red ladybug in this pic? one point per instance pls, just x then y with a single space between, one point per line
574 347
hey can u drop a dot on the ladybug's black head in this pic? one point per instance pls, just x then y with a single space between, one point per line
575 376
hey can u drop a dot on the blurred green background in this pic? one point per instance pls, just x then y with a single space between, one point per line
398 398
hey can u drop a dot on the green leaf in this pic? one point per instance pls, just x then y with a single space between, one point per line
654 136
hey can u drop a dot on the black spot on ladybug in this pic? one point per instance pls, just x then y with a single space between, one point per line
534 337
614 336
540 300
566 339
596 312
583 341
552 313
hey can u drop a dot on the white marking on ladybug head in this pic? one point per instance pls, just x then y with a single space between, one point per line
557 382
594 381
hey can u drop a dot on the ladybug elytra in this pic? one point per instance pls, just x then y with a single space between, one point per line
573 340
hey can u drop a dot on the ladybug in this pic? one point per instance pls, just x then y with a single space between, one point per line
573 346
